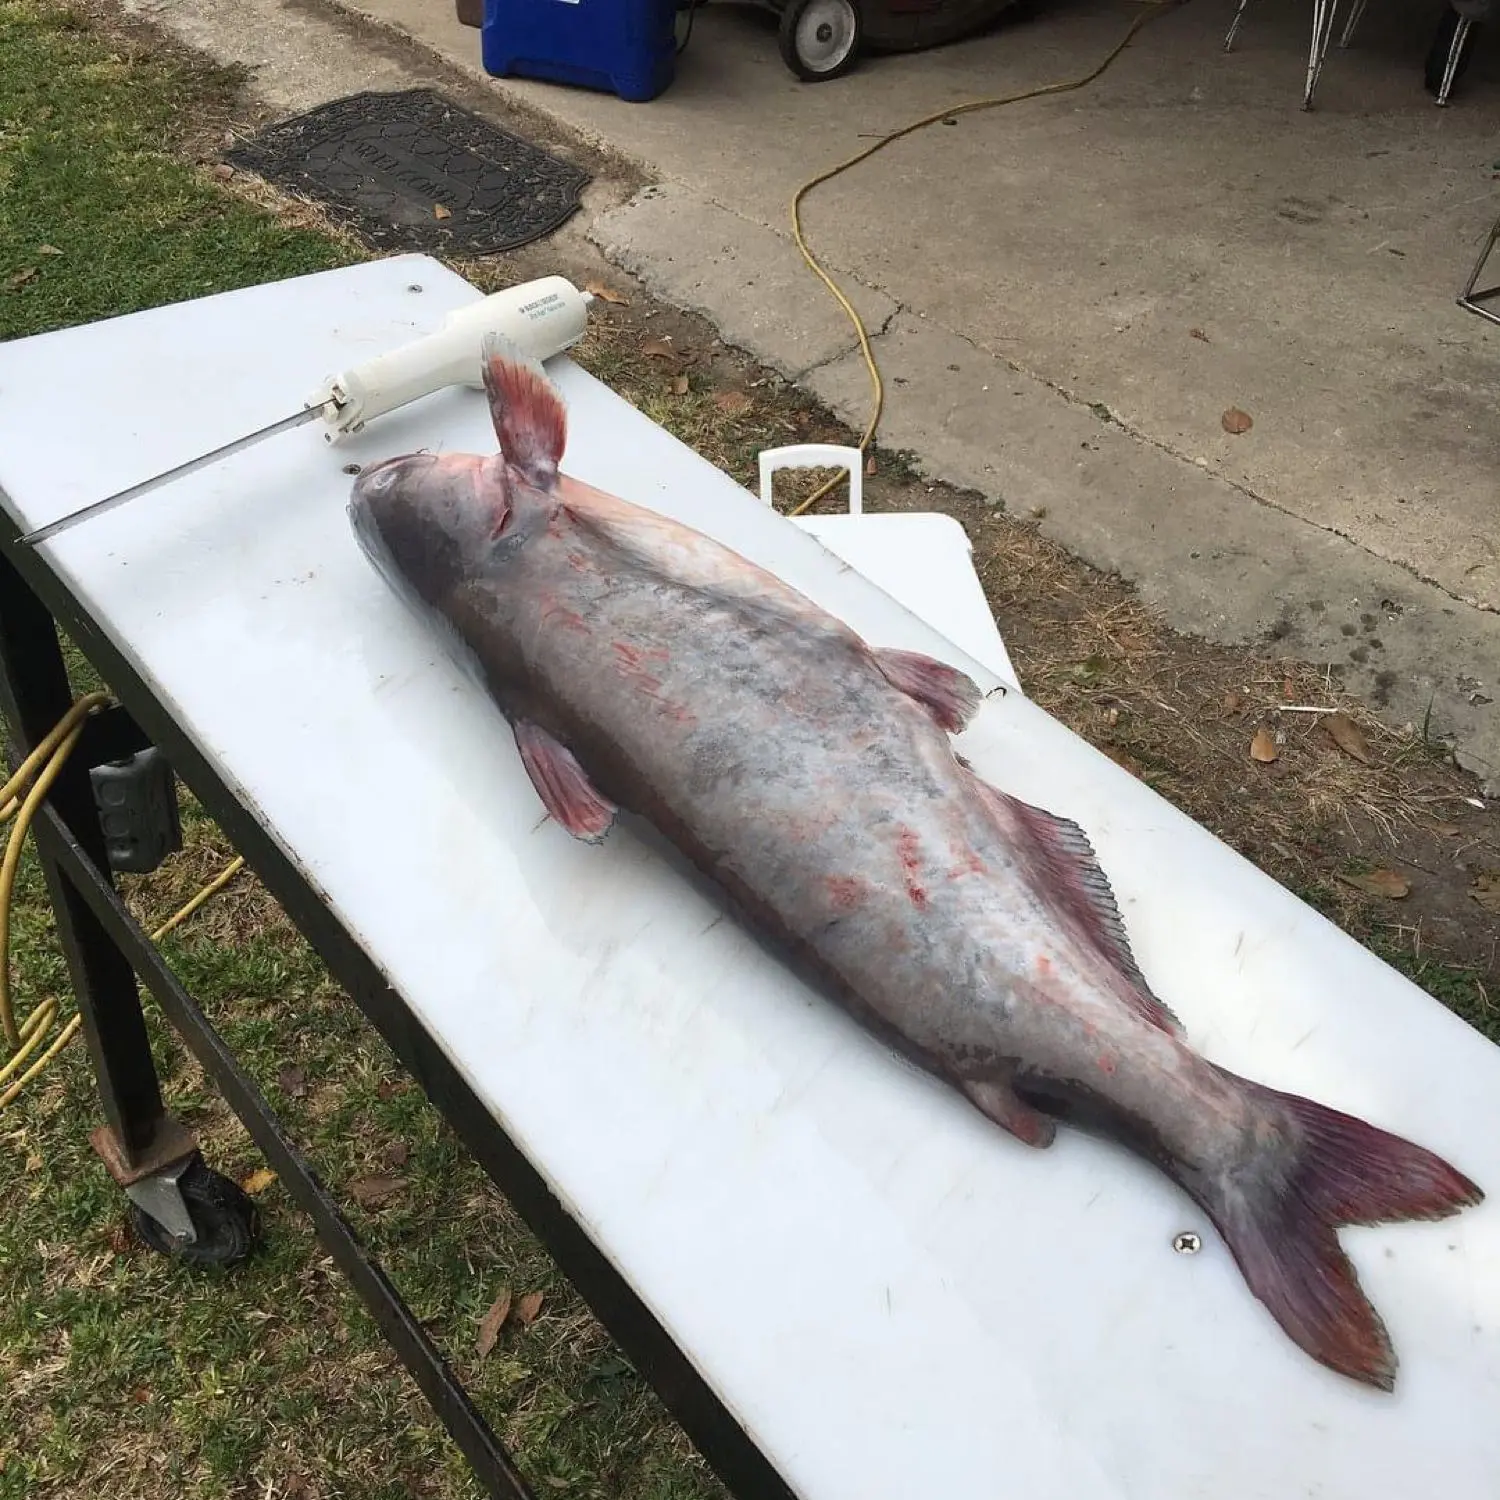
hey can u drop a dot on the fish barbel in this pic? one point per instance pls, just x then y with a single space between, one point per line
644 666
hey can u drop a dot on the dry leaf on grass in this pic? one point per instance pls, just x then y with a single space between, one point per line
528 1307
1197 333
440 212
21 278
1344 732
258 1181
679 385
870 467
292 1081
1388 883
606 293
732 403
1486 890
658 349
1236 421
1263 747
48 250
223 171
388 1088
492 1322
396 1154
370 1192
1233 702
1446 830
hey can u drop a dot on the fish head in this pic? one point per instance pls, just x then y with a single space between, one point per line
429 521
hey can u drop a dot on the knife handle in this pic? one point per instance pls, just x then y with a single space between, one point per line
541 318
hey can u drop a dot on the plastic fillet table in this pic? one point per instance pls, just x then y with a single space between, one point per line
682 1121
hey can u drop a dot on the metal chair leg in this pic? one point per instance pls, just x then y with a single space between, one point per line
1323 14
1355 15
1455 51
1234 25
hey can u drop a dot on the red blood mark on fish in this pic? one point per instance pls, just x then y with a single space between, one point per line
633 656
563 617
909 848
1043 965
628 663
969 863
1106 1063
845 891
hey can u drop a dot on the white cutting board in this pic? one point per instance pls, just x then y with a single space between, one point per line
895 1299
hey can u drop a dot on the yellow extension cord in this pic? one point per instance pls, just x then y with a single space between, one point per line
20 802
1153 9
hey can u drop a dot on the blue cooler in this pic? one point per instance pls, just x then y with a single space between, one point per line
626 47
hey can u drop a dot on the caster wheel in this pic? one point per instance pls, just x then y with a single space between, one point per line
819 39
227 1221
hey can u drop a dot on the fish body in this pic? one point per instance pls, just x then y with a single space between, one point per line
645 667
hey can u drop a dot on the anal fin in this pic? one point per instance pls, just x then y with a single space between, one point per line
563 785
1000 1103
950 696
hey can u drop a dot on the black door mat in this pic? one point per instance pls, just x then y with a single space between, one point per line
413 171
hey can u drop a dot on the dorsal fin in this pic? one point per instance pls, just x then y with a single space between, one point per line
1067 868
530 419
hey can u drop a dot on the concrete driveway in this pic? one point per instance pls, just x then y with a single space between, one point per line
1068 293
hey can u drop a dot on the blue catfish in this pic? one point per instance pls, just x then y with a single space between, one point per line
645 667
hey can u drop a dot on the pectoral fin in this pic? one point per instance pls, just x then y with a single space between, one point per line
563 785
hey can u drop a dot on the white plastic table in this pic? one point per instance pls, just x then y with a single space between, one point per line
893 1298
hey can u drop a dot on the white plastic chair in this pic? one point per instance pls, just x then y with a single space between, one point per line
922 560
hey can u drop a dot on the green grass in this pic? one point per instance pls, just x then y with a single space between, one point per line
125 1373
96 219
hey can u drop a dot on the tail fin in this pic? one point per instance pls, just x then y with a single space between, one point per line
1279 1220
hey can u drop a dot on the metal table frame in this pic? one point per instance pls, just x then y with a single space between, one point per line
108 952
1474 300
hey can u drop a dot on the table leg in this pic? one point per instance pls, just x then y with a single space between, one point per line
139 1137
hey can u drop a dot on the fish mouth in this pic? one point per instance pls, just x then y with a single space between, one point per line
363 519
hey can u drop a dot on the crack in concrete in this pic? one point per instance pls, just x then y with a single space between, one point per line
1175 454
848 349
